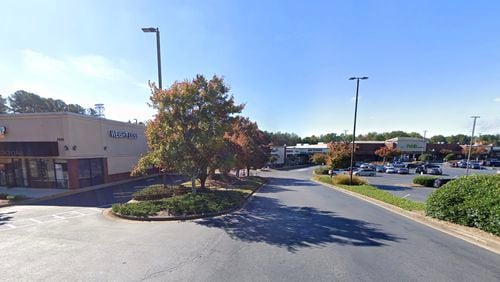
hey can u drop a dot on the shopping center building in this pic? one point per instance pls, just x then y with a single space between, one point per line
66 150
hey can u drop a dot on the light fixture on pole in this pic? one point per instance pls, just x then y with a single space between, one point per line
157 30
470 146
354 129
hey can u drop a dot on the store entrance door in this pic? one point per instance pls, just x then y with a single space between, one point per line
7 177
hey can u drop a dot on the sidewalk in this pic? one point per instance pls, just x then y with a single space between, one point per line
31 192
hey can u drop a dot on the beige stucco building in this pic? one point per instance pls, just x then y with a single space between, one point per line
66 150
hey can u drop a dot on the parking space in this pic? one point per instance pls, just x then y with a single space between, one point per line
402 185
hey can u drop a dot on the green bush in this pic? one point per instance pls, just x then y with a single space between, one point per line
141 209
424 157
15 197
153 192
187 204
427 181
321 170
343 179
472 201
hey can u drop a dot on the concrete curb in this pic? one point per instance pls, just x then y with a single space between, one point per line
187 217
76 191
471 235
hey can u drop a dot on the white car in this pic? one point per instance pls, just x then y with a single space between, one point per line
390 169
364 172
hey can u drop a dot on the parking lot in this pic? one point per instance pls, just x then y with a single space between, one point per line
401 184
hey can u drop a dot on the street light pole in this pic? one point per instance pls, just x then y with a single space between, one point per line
158 55
354 129
470 146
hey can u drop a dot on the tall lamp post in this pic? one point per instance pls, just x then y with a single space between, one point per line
157 30
470 146
354 129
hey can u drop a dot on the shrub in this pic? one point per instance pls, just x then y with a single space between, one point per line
321 170
427 181
343 179
15 197
472 201
424 157
141 209
157 192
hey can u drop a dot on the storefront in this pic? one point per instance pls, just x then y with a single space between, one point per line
66 150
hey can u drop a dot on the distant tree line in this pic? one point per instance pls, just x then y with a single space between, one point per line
25 102
291 139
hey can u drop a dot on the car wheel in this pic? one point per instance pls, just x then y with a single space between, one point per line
437 183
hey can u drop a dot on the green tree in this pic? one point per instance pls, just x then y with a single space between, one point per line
439 139
189 127
424 157
3 105
25 102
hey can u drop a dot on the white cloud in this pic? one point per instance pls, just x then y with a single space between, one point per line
99 67
42 64
497 99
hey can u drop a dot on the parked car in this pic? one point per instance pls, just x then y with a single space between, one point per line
441 181
434 169
379 168
420 169
331 172
462 164
403 170
390 169
364 172
365 165
412 165
474 165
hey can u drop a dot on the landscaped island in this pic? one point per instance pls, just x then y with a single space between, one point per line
220 195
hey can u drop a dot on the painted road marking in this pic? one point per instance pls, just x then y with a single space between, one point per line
64 216
406 196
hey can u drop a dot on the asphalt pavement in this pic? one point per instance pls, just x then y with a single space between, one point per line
291 230
401 184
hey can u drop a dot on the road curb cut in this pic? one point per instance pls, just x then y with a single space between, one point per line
484 240
238 207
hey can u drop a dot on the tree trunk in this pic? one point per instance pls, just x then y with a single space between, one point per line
164 179
203 180
193 185
248 171
238 173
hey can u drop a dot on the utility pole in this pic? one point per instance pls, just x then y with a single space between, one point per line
471 142
354 129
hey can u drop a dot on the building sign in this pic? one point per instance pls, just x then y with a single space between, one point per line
122 134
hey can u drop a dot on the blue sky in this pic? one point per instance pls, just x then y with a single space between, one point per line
432 64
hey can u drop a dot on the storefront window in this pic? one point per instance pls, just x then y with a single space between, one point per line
90 172
42 174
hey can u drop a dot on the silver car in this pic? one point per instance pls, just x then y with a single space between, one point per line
365 172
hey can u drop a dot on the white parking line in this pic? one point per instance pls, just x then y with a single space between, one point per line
406 196
64 216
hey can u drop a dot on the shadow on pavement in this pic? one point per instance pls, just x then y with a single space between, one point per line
107 196
266 220
5 217
289 181
393 188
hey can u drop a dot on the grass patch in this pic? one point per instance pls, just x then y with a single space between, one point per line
375 193
213 199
